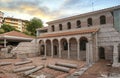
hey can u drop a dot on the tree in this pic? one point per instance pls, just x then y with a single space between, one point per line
1 31
7 28
33 24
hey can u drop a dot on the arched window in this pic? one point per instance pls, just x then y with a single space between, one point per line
60 26
102 19
89 21
69 25
83 42
53 28
78 24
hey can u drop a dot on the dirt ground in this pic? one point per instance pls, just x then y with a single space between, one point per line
7 71
101 67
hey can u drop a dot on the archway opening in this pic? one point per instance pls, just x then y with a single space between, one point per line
101 53
55 48
42 50
64 48
73 48
42 47
83 41
48 47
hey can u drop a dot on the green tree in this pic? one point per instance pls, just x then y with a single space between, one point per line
7 28
33 24
1 31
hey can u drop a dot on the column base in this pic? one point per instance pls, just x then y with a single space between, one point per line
116 65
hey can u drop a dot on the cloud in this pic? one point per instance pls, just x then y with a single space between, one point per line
46 10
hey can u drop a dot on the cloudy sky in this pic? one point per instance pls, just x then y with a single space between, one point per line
48 10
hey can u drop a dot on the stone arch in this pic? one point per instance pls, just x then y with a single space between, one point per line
42 47
64 47
48 47
73 48
83 41
55 48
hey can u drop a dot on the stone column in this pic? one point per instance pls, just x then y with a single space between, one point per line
59 49
91 51
5 42
78 49
115 56
68 49
96 46
87 54
37 34
51 49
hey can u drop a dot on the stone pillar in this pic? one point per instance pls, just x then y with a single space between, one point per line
96 46
45 49
51 49
91 52
5 42
78 49
37 34
59 49
68 49
87 54
115 56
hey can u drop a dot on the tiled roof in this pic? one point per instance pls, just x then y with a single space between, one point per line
74 32
16 34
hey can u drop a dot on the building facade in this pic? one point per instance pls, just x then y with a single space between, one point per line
91 36
19 24
1 18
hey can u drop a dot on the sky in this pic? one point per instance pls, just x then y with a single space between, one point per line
48 10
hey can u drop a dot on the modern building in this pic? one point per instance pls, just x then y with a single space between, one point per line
91 36
19 24
1 18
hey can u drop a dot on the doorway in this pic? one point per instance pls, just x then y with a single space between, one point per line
101 53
